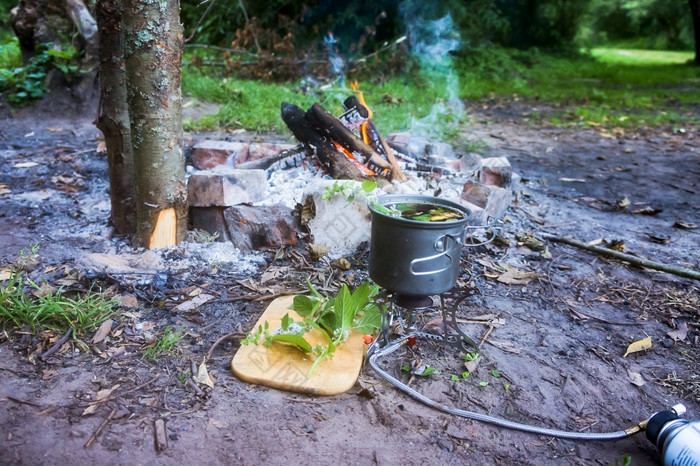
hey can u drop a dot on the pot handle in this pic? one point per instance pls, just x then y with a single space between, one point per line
442 244
489 224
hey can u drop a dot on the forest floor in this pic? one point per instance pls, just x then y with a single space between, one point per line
553 348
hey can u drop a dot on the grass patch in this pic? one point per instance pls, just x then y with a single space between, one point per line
164 344
641 57
587 90
605 88
24 303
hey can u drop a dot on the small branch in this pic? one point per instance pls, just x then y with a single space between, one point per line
58 345
99 430
197 391
680 271
20 401
215 47
138 387
201 18
381 49
247 20
228 336
488 332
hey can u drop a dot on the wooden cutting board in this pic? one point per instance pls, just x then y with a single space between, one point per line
285 367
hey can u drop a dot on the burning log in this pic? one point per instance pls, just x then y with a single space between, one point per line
372 136
319 144
327 123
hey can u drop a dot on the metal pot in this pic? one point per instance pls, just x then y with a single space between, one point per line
412 257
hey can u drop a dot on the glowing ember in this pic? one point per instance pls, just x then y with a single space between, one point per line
354 160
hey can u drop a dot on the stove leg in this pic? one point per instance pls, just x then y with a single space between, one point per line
453 334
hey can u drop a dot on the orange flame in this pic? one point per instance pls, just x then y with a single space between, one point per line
361 97
354 160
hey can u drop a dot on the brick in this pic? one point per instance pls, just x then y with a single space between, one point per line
493 199
337 224
209 154
263 150
496 171
260 227
225 187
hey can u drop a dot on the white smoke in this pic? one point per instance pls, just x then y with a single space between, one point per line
432 42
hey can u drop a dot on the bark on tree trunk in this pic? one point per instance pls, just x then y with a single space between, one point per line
153 46
113 116
695 12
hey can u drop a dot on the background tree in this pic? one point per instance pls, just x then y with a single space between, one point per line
153 41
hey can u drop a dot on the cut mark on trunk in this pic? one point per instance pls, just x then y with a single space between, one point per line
165 231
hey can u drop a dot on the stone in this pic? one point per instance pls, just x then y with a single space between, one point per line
493 199
209 154
496 171
224 187
260 227
337 223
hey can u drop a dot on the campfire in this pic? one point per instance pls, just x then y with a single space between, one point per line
350 146
269 195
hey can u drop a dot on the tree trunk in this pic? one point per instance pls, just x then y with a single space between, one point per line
153 46
113 117
695 12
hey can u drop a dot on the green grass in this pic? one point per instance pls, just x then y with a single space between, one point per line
10 55
165 344
641 57
23 303
609 87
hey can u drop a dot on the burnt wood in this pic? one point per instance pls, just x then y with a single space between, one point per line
376 139
318 144
323 121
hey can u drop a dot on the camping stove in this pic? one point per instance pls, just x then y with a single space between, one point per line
404 311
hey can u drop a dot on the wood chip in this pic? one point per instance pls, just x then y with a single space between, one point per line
161 437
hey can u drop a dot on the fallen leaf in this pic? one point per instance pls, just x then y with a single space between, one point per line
659 239
193 303
617 245
101 147
623 203
341 264
5 274
680 333
317 251
4 189
515 276
681 225
104 393
531 242
103 331
648 210
44 290
203 377
90 409
472 365
635 378
25 165
47 374
639 345
506 346
129 301
54 130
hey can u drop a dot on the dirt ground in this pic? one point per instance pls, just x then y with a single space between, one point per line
552 349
